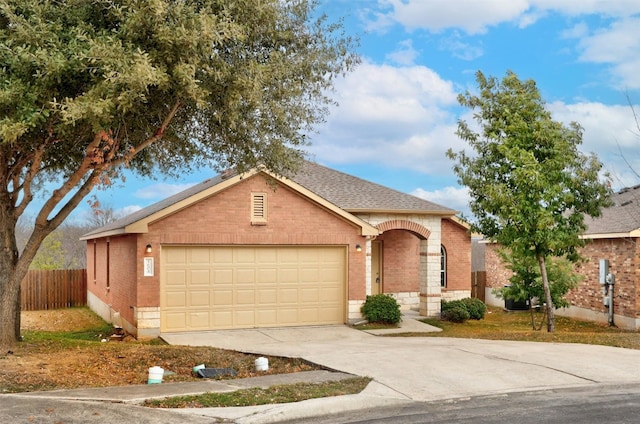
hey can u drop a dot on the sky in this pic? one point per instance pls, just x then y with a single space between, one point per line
397 111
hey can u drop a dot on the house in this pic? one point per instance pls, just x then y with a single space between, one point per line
614 236
256 250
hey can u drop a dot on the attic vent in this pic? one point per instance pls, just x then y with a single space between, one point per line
258 208
628 202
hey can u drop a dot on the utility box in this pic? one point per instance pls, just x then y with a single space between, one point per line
516 305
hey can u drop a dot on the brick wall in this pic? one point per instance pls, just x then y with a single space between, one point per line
225 219
401 261
113 280
623 263
624 257
457 242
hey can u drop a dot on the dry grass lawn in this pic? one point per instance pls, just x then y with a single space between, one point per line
63 349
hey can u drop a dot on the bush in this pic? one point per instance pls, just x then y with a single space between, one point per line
456 314
473 308
381 308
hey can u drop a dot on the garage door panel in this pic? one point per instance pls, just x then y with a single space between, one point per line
245 276
222 276
199 277
289 295
199 320
309 295
267 296
176 299
245 297
199 298
222 297
229 287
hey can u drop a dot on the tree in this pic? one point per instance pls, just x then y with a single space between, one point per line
89 88
530 186
526 284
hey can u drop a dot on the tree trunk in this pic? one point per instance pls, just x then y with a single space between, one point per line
11 276
547 294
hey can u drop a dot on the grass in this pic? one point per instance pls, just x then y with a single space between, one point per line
516 325
264 396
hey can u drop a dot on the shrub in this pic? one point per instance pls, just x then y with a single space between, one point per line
456 314
381 308
474 308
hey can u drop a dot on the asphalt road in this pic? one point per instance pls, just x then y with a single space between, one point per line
585 405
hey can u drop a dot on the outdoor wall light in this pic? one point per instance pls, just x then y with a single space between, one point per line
358 248
148 249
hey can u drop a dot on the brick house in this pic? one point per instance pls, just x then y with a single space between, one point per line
615 237
257 250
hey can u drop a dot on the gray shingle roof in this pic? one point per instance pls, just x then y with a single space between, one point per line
622 217
355 194
343 190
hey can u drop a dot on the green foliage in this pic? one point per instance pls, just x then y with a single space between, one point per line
530 186
463 309
476 307
51 254
381 308
526 282
457 313
89 89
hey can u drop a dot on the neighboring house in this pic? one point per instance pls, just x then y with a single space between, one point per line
256 250
615 237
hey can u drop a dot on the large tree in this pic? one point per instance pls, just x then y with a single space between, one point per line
530 186
89 88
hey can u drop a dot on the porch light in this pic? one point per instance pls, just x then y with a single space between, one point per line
358 248
148 249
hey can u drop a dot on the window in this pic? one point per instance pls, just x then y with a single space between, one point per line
443 266
108 263
258 208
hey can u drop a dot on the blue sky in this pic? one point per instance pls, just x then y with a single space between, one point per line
398 111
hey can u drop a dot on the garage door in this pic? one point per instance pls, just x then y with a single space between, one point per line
210 288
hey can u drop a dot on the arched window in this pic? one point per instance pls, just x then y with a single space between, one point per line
443 266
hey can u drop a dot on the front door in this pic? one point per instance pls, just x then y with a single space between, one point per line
376 267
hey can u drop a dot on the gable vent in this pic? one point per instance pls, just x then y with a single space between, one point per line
258 208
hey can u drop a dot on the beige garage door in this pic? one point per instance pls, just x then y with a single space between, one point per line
209 288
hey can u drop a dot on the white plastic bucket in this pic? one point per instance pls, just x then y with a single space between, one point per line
262 364
155 375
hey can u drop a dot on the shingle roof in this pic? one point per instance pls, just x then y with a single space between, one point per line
621 218
343 190
355 194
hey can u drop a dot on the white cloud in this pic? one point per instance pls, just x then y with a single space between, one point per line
461 49
472 16
475 17
160 190
405 54
395 117
610 132
127 210
452 197
617 45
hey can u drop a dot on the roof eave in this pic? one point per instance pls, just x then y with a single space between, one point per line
103 234
630 234
446 213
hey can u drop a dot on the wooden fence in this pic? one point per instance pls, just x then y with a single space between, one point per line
54 289
478 284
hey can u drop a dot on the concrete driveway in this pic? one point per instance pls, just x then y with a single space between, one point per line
430 368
